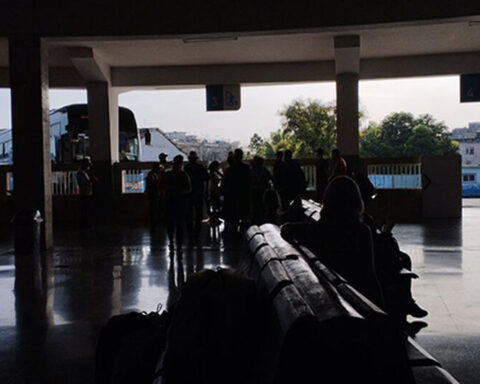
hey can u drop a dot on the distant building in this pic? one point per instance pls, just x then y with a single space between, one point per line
207 150
154 141
471 181
469 143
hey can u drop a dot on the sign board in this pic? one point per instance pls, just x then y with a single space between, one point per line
223 97
469 88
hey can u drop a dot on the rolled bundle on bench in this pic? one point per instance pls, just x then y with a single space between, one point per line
281 247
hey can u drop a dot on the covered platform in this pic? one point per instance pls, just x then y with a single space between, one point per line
53 306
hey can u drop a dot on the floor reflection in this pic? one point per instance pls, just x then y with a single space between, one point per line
53 305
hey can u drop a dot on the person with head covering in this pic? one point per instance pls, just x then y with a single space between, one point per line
162 159
340 239
177 187
198 177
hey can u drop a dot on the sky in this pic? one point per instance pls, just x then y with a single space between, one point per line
185 110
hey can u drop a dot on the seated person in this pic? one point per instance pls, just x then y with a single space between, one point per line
390 261
340 239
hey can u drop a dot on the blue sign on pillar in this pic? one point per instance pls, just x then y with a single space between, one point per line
223 97
469 88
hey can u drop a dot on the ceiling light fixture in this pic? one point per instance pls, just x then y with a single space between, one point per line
209 39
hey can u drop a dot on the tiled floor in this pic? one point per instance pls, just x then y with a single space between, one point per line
51 310
446 255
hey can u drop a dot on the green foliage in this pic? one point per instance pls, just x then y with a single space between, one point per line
306 126
401 134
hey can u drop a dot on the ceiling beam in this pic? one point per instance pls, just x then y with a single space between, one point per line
374 68
59 77
88 64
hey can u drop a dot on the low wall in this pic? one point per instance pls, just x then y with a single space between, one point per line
398 205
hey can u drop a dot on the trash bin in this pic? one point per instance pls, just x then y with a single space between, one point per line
27 230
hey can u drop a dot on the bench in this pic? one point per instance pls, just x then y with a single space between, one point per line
318 324
392 284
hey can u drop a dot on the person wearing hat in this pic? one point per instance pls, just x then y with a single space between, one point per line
162 158
198 177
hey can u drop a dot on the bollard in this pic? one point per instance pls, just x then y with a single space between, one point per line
27 231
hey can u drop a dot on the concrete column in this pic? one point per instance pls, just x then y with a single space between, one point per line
31 129
347 66
103 132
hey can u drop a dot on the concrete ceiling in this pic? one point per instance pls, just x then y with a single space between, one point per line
449 37
452 37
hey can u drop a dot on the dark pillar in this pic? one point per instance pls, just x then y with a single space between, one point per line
103 132
347 68
347 113
31 129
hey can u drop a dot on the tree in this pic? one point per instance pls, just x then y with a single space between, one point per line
401 134
306 126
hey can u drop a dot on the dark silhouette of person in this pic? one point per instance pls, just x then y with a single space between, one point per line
152 190
280 179
85 180
321 173
340 239
271 204
236 189
338 166
296 183
177 187
198 177
389 261
162 159
260 182
215 181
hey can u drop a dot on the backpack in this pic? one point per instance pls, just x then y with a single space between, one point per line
213 334
129 347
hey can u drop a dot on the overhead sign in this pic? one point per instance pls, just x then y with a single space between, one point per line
469 88
223 97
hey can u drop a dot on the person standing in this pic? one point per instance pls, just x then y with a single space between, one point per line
177 187
339 165
280 179
296 183
236 188
216 178
162 159
152 191
261 180
198 177
321 173
85 180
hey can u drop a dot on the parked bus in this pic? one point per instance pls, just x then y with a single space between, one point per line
69 138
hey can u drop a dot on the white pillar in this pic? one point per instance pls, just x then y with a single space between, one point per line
347 66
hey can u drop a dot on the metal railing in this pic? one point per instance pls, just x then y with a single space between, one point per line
64 183
394 173
406 175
